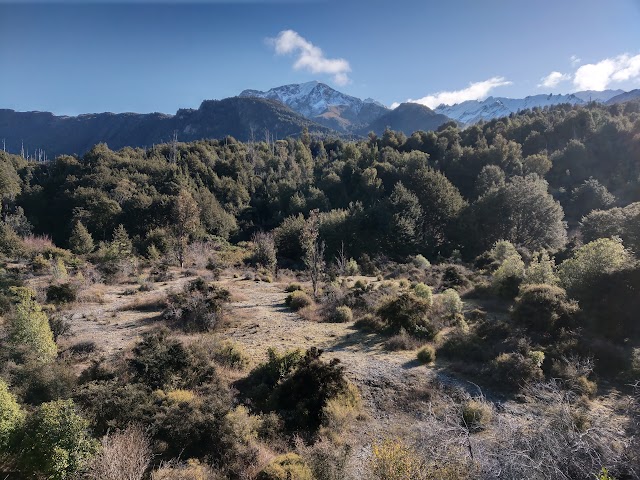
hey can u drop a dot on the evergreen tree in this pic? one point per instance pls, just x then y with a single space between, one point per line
81 241
121 245
11 417
29 326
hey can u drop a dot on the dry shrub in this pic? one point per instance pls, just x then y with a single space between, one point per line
146 303
477 414
191 470
124 455
401 341
289 466
310 314
298 300
427 354
342 410
92 294
395 460
327 460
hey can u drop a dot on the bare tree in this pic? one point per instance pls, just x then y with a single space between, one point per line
314 250
342 260
124 455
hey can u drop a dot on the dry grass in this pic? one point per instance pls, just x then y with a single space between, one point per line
92 294
146 303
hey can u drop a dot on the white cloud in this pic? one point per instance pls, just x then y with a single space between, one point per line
394 105
599 76
553 79
475 91
310 57
575 60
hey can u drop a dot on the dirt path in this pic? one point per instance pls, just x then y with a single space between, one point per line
394 386
115 320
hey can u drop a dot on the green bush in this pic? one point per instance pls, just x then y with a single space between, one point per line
289 466
427 354
29 326
451 302
601 257
424 291
407 312
56 442
298 300
419 261
342 314
543 308
11 417
63 293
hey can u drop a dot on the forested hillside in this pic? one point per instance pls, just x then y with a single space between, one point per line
456 304
517 179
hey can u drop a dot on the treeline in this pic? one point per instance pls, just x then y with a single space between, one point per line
524 179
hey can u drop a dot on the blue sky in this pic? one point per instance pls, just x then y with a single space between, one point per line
144 56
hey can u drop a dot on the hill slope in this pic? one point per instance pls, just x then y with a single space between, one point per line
238 117
407 118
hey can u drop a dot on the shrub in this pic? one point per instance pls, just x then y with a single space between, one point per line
63 293
286 467
513 370
369 323
543 308
424 291
230 354
160 361
476 415
427 354
407 312
124 455
293 287
56 442
60 326
419 261
394 460
342 314
451 302
264 250
342 409
198 308
298 300
191 470
401 341
542 269
507 278
11 417
351 268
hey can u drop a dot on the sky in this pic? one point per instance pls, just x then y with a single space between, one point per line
157 56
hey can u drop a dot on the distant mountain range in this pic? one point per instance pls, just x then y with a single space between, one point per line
473 111
279 112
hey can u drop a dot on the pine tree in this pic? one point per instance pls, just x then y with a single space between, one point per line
81 241
29 326
121 244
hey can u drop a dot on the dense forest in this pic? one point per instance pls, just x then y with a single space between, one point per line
533 220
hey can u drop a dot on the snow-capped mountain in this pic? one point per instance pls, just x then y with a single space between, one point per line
324 105
473 111
596 96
